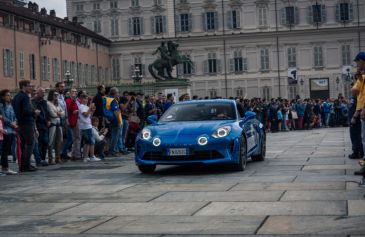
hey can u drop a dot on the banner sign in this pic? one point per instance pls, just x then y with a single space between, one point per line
320 84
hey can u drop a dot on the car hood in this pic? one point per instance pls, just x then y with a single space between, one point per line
173 129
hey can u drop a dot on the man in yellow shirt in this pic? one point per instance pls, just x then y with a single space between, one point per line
359 90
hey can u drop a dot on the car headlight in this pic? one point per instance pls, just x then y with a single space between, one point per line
146 134
202 141
156 142
222 132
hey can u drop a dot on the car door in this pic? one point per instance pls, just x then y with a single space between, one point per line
251 135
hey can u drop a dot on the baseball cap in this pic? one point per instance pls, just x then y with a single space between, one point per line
360 56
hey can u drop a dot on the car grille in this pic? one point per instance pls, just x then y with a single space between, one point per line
197 155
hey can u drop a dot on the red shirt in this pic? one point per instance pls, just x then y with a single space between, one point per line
71 107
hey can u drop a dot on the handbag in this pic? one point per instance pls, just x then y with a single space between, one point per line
294 115
134 119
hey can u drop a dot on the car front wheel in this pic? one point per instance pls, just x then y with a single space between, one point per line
241 166
147 169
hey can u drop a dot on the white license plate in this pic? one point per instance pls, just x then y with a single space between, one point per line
178 152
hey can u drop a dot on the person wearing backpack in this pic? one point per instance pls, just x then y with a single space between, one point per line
114 117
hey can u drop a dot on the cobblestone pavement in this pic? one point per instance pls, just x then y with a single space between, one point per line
305 187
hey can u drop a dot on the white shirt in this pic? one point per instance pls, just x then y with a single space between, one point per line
84 121
96 135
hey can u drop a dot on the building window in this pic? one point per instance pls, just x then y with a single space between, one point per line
212 65
344 12
96 6
21 65
138 63
185 68
346 55
158 24
292 57
158 2
213 93
97 25
66 67
317 14
45 69
239 92
114 24
266 93
289 16
116 68
183 1
318 56
265 59
234 19
79 7
56 69
210 21
32 71
184 22
8 62
293 92
135 3
262 16
135 25
113 4
238 63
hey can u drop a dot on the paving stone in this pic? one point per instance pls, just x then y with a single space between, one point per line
290 186
233 196
50 225
125 209
21 209
323 172
316 225
356 207
81 197
328 167
321 195
326 161
160 187
274 208
327 178
79 189
192 225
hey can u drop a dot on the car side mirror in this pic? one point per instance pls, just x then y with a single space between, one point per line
152 119
250 114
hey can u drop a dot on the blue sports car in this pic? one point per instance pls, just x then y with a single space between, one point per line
203 131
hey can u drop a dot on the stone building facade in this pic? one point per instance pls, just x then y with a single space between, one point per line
252 48
41 47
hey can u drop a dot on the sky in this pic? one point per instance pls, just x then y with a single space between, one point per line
58 5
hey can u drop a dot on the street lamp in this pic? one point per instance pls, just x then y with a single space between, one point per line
337 82
68 79
301 84
137 77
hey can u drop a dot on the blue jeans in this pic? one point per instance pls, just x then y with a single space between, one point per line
122 137
68 142
363 135
36 153
327 117
114 139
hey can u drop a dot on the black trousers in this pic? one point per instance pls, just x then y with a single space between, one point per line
355 135
43 143
26 133
6 150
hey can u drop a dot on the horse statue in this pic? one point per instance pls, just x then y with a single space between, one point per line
169 58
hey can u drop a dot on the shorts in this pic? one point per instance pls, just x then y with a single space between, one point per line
87 137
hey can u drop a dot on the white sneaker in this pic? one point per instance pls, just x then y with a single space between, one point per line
94 159
9 172
86 160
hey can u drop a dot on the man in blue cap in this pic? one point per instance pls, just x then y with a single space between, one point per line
359 90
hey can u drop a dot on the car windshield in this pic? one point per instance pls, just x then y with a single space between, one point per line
199 112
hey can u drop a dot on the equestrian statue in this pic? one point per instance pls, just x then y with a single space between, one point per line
169 58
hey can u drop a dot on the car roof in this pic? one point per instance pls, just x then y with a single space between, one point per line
222 101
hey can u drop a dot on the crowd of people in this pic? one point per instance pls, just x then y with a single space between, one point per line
72 125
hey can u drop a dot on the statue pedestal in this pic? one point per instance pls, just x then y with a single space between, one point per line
177 87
